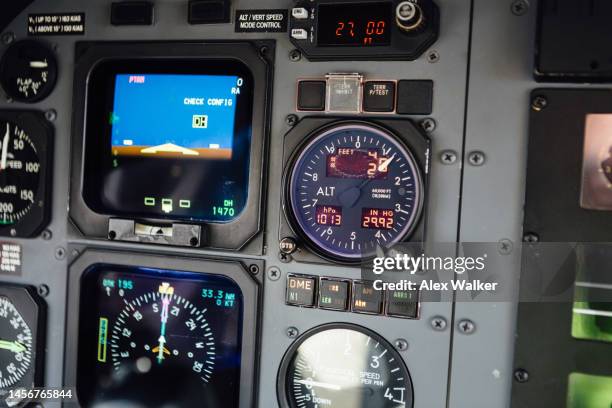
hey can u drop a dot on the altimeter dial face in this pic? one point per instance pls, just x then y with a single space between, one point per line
353 188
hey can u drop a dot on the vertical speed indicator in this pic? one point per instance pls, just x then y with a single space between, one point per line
352 187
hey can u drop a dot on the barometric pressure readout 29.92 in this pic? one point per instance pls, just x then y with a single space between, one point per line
351 188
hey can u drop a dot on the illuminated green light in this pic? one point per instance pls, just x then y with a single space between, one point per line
185 203
102 336
108 283
167 205
113 119
149 201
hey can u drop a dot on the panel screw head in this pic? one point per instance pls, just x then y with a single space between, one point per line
295 55
13 232
291 120
438 323
60 253
50 115
505 246
428 125
292 332
477 158
448 157
46 235
43 290
521 375
401 344
254 269
274 273
519 7
531 238
8 38
539 103
466 326
284 258
433 57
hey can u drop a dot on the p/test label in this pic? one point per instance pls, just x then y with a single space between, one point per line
261 21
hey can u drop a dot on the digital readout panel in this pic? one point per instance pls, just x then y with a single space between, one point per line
354 24
186 116
169 140
163 335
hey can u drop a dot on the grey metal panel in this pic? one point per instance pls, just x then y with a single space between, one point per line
428 352
492 195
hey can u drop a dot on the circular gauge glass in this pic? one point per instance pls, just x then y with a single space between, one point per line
344 366
184 336
19 173
28 71
16 353
351 188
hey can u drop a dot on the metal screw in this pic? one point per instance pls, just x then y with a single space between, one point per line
8 38
477 158
254 269
50 115
466 326
519 7
263 50
43 290
292 332
60 253
74 253
295 55
401 344
539 103
46 235
448 157
531 238
505 246
13 232
521 375
438 323
428 125
291 120
433 57
274 273
284 258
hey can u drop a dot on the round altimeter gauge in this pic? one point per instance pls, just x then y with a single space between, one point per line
25 140
353 187
343 366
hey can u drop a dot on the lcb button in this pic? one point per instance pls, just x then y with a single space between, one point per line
301 291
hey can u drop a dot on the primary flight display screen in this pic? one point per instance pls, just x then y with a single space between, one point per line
169 139
186 116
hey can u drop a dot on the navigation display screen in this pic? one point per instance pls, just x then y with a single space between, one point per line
169 139
187 116
170 337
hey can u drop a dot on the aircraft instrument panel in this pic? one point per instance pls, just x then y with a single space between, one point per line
305 204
